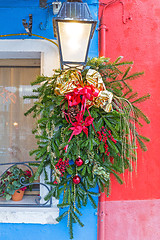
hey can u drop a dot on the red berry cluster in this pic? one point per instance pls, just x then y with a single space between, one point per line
103 135
61 166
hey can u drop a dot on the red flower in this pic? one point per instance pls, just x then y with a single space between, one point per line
28 173
55 182
23 188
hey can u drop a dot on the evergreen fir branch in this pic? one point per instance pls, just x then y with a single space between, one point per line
63 205
126 72
132 96
141 99
125 84
118 59
41 153
33 152
144 138
34 164
139 113
109 125
77 211
30 97
92 201
125 94
39 80
94 193
123 63
58 219
134 76
65 195
46 174
113 146
50 194
53 133
76 218
40 169
141 143
70 225
30 110
100 184
117 176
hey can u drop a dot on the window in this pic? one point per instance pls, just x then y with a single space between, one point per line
19 65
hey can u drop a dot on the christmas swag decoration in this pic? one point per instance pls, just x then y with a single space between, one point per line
86 127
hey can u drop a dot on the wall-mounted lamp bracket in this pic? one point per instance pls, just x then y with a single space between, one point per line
56 7
28 27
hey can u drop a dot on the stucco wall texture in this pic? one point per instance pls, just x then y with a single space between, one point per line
132 210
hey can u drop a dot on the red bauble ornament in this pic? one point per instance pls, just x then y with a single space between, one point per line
79 161
76 179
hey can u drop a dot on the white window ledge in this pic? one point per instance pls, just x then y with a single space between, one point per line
29 215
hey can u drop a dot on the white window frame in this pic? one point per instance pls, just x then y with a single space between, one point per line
49 61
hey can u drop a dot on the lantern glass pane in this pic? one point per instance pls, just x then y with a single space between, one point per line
74 39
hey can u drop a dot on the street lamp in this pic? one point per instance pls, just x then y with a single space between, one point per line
74 28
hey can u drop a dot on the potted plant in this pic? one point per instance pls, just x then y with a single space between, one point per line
13 183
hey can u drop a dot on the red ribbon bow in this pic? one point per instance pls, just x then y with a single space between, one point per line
81 125
81 95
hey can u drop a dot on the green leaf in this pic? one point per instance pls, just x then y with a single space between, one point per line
101 148
111 128
8 197
113 145
84 170
69 170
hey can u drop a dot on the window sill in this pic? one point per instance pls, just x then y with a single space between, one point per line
29 215
27 201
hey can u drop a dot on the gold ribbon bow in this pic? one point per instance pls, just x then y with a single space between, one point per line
93 78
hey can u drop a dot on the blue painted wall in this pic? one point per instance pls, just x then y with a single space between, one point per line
11 14
13 11
52 232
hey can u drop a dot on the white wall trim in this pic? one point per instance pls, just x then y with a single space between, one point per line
49 52
49 61
29 215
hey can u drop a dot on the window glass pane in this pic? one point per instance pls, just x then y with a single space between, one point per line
16 138
75 37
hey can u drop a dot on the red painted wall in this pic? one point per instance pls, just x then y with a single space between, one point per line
139 40
130 220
